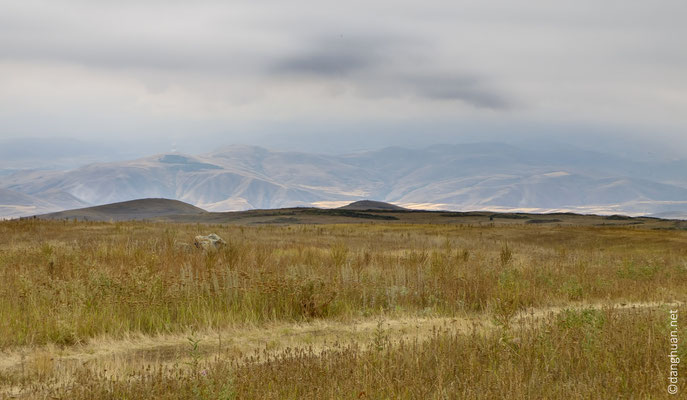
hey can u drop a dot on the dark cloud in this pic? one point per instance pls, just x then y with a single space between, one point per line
330 63
385 66
333 58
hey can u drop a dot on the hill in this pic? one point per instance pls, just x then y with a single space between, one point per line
130 210
165 210
371 205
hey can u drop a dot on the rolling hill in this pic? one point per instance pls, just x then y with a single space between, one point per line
365 205
140 209
365 211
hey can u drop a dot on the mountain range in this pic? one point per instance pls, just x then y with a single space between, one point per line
478 176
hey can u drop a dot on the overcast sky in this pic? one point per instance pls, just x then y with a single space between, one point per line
339 76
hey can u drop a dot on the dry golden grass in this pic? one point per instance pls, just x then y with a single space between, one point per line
67 286
582 353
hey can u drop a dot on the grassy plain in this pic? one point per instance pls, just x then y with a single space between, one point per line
367 310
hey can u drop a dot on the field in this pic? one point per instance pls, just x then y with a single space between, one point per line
576 307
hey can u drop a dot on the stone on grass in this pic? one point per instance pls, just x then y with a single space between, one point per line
209 242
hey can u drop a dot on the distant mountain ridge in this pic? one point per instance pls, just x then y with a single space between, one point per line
479 176
17 204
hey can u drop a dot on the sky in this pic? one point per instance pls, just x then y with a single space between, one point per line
345 76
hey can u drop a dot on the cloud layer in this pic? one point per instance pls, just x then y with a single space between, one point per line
147 68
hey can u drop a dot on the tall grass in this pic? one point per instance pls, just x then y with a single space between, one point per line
600 354
64 282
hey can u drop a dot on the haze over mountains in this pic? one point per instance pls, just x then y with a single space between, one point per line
479 176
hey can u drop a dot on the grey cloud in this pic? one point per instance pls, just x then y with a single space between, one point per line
333 57
109 37
324 64
388 66
607 64
126 53
468 88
